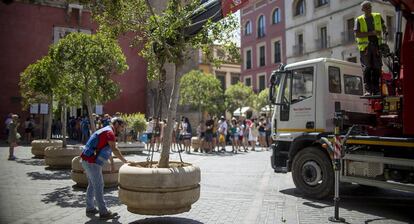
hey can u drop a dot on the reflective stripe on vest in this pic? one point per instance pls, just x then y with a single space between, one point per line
363 41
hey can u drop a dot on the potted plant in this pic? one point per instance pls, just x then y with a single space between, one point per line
164 186
135 124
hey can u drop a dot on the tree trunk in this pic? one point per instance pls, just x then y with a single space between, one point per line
89 108
63 121
50 118
172 108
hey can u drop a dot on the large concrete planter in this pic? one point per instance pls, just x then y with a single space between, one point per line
59 157
110 178
131 147
39 146
159 191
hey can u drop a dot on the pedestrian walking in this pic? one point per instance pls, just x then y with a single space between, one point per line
95 153
13 136
222 133
29 126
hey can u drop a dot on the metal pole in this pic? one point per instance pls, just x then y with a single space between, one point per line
337 168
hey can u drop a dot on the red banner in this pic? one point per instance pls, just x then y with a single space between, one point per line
228 6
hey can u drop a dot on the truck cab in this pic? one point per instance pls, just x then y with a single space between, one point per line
308 92
306 97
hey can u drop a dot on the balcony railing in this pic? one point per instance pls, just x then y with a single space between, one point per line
298 49
322 43
348 37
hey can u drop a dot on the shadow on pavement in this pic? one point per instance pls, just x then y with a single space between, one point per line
386 204
31 162
166 220
53 175
96 220
68 197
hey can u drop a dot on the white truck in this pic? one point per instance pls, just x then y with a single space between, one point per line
305 96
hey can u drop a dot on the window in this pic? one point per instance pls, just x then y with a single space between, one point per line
262 82
248 81
302 84
248 28
235 78
353 85
221 76
299 8
334 76
352 59
276 16
324 38
262 56
349 36
299 47
261 26
277 52
321 2
284 109
248 59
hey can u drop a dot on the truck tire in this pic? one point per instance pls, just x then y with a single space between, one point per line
313 173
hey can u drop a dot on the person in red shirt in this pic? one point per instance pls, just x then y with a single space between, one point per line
95 153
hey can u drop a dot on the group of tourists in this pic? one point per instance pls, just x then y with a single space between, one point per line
212 134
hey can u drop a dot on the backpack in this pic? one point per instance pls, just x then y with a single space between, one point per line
90 149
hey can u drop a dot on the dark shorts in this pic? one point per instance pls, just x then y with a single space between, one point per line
149 136
208 137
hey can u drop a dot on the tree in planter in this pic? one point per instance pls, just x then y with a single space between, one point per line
90 60
166 39
36 83
200 91
238 96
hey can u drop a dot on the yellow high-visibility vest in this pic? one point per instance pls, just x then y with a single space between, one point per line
363 41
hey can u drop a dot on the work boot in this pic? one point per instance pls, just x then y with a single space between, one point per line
108 215
91 212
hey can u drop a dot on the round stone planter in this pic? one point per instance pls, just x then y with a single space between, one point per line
39 146
159 191
110 178
195 143
59 157
130 147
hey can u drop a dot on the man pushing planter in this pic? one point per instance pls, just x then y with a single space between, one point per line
97 151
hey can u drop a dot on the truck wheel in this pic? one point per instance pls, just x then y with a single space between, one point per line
312 173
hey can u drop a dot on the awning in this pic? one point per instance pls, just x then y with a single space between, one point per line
241 111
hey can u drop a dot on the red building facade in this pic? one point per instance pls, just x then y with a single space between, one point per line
262 41
28 29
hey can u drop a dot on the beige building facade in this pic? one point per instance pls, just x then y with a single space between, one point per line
324 28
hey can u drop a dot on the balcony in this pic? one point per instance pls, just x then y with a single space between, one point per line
298 49
322 43
348 37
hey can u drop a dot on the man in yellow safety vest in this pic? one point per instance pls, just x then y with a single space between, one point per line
368 32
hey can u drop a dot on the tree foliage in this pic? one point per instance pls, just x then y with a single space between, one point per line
89 61
239 95
201 91
262 99
163 37
38 80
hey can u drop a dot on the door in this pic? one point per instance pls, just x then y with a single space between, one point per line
297 112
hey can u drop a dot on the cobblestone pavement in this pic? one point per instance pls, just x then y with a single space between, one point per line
235 188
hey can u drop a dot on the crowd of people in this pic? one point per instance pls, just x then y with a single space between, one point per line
212 134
